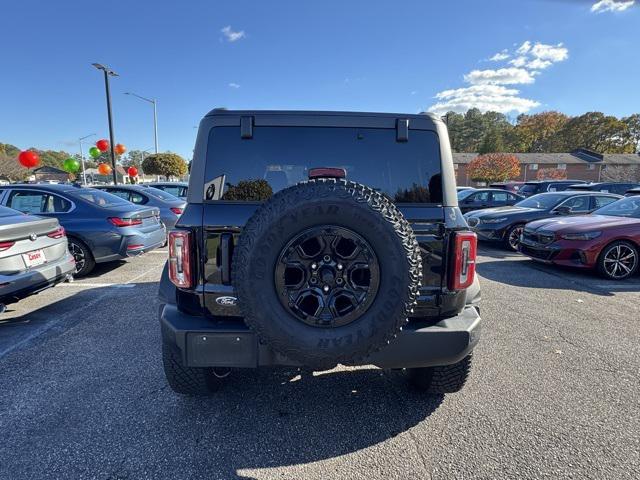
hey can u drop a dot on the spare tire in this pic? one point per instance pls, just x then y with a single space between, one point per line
327 272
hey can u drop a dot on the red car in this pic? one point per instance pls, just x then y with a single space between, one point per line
607 240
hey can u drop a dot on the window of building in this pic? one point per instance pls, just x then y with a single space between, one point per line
591 166
533 166
455 166
562 166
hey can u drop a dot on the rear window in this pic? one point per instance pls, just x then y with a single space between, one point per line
278 157
98 197
530 188
176 190
156 192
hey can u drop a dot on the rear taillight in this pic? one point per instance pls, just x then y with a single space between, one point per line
180 258
6 246
58 233
176 210
125 222
462 268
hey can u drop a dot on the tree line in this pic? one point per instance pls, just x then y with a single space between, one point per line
546 132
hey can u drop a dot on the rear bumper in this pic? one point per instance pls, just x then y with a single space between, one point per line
21 285
203 342
136 244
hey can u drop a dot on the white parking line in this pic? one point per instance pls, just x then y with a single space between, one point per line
160 252
98 285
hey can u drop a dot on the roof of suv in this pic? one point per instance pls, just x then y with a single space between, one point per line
323 113
538 182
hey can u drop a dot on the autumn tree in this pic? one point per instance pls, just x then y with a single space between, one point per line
633 124
551 174
494 167
165 164
537 133
597 132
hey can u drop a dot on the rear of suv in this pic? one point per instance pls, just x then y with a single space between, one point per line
313 239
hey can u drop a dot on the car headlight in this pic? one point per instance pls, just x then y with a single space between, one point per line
581 236
493 220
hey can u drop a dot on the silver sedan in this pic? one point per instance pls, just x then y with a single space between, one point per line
33 255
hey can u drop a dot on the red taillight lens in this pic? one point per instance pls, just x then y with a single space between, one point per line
180 258
176 210
125 222
6 246
463 260
59 233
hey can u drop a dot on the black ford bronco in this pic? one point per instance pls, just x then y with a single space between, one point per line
313 239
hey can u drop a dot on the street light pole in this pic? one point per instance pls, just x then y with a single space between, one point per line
155 115
84 171
107 73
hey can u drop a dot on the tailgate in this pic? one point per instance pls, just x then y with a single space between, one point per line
223 226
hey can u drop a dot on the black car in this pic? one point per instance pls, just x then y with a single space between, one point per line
618 188
540 186
505 224
320 238
477 199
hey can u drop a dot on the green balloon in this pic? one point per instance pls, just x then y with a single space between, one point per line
94 152
71 165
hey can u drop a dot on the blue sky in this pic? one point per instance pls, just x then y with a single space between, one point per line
568 55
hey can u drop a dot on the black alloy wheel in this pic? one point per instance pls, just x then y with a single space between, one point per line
327 276
513 237
82 256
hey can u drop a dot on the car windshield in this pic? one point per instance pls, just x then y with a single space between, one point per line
156 192
626 207
542 201
462 194
99 198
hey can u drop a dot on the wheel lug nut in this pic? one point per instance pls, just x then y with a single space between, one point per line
325 288
327 258
340 267
339 281
313 280
314 266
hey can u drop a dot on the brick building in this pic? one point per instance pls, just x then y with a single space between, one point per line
580 164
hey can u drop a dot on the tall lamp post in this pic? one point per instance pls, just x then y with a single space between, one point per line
155 115
109 73
84 171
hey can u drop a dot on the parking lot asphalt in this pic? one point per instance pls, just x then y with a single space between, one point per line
554 392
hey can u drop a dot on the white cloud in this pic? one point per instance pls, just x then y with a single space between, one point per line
484 97
232 36
552 53
524 48
498 57
612 6
502 76
538 64
486 90
233 85
519 62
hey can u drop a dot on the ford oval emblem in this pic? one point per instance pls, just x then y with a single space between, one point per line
227 301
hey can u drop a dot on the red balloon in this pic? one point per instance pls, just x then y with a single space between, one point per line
104 169
120 149
132 171
29 159
102 145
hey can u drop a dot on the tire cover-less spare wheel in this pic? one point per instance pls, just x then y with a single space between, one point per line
327 271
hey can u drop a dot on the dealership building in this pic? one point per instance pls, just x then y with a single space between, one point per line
580 164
